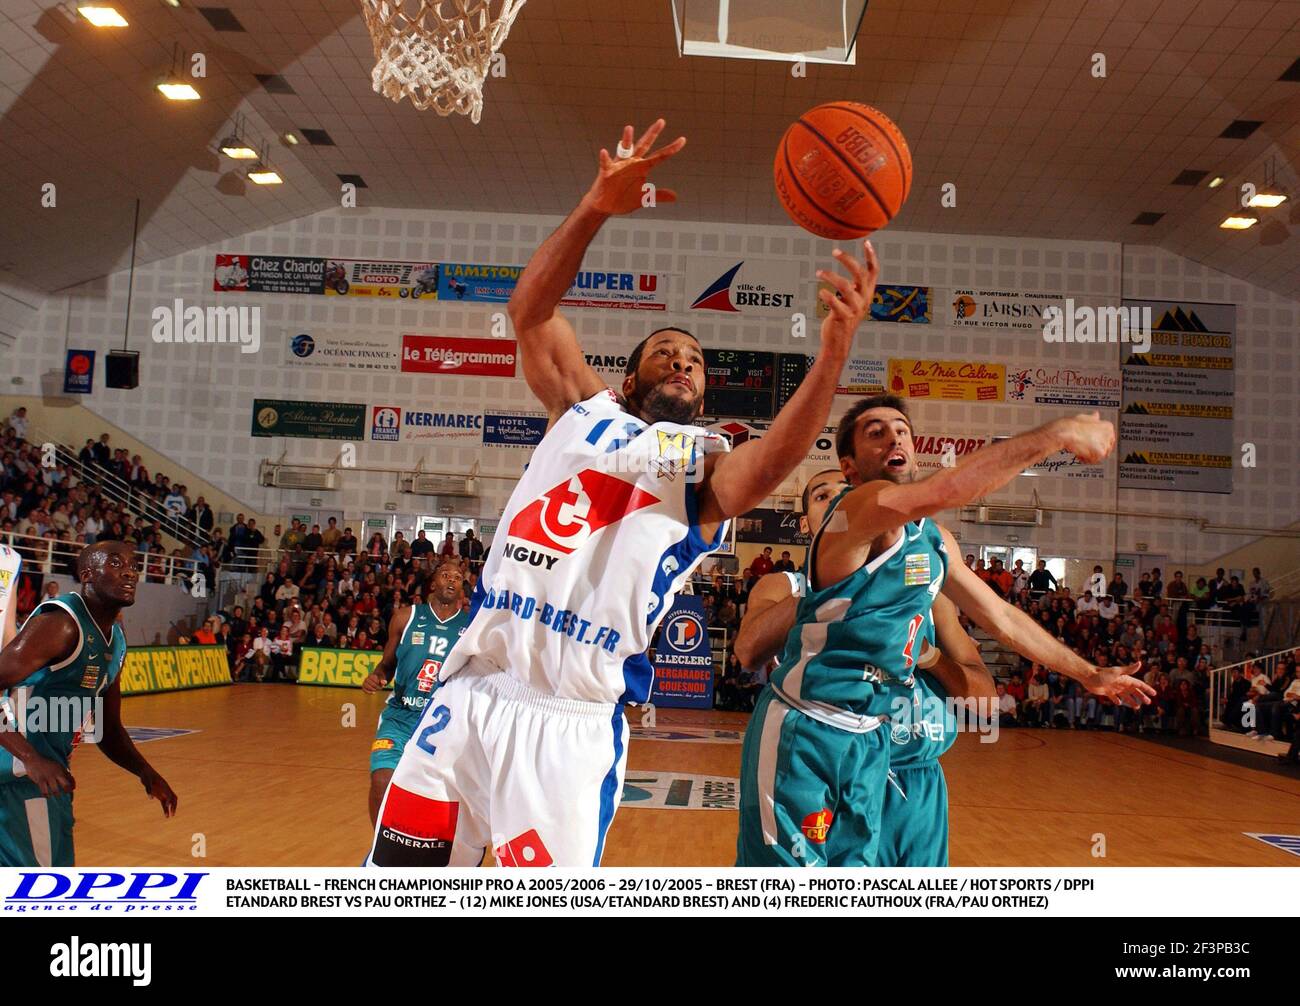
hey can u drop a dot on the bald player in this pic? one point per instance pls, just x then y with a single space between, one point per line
61 670
914 819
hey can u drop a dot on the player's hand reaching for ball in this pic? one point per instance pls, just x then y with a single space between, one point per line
1121 685
849 299
620 181
373 683
1087 436
157 788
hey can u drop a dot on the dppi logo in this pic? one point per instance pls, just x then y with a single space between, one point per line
103 891
683 631
1018 380
303 345
571 512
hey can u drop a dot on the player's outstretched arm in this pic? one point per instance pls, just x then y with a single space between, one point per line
387 666
117 745
1014 629
960 669
554 366
49 637
736 482
768 618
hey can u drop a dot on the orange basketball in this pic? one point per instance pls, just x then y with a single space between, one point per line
843 170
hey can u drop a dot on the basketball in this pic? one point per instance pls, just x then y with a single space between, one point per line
843 170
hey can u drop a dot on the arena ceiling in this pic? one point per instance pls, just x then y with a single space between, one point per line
995 96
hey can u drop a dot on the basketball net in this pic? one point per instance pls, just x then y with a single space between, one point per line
439 55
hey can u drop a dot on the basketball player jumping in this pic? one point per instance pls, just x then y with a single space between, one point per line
914 818
419 639
815 762
67 655
525 745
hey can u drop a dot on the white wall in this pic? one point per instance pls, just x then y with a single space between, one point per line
194 403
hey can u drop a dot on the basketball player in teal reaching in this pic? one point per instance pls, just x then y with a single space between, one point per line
419 639
914 818
64 665
816 761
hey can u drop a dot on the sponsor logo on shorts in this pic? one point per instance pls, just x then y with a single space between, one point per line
382 744
817 825
415 830
523 850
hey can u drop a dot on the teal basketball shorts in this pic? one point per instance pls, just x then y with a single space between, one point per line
395 729
914 821
35 830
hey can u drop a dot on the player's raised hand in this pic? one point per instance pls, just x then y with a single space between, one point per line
373 683
618 187
1087 436
1121 685
850 299
157 788
50 777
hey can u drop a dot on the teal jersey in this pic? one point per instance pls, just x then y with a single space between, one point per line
928 731
852 650
426 643
54 705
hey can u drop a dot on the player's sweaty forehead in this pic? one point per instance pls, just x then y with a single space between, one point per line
874 419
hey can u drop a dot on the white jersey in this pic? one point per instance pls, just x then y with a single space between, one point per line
597 538
10 563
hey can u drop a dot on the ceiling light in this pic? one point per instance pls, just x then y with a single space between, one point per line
233 146
102 17
290 139
1239 223
263 175
172 3
1267 199
1216 181
175 90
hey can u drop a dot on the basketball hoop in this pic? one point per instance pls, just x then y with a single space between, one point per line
438 58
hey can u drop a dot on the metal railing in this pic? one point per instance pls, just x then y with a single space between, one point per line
51 556
131 498
1221 679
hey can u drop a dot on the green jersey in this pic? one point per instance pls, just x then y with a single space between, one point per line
851 655
54 705
426 643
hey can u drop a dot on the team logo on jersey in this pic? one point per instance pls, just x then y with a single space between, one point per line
524 850
916 570
817 825
417 638
90 676
571 512
675 453
428 676
683 630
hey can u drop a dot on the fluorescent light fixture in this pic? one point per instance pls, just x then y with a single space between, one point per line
1216 181
233 146
1268 200
174 90
264 176
102 17
290 139
1236 223
172 3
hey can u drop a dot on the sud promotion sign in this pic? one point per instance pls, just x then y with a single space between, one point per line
173 668
948 380
1076 388
683 661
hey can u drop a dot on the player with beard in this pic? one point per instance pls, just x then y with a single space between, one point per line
914 817
815 764
67 656
524 747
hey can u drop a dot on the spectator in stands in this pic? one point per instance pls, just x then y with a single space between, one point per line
1117 588
1145 588
1258 590
1108 609
763 564
1041 580
258 657
422 547
1007 716
292 539
400 548
313 540
281 655
18 422
471 549
347 542
1097 582
1000 580
1019 578
329 538
1186 709
448 547
1232 596
1037 695
1235 703
1177 587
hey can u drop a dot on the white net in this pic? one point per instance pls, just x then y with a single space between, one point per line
436 52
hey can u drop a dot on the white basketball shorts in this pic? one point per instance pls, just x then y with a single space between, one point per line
496 764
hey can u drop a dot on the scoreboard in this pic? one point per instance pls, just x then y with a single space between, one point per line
748 384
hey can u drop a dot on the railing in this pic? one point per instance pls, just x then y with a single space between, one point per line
1221 679
51 556
1284 586
113 488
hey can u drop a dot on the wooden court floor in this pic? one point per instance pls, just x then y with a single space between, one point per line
272 777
